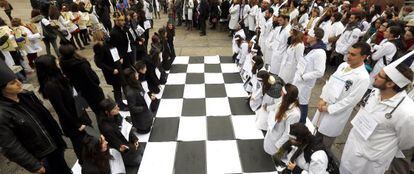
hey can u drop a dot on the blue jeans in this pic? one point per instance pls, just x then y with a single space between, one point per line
303 113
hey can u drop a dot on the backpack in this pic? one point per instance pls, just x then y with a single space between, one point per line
399 53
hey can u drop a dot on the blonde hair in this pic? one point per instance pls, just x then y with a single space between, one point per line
99 35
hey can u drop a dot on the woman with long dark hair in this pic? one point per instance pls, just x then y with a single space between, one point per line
57 89
140 114
294 52
96 156
256 97
287 112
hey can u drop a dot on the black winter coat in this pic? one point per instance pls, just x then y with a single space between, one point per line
62 100
119 39
28 131
140 114
83 78
204 10
111 129
104 61
152 80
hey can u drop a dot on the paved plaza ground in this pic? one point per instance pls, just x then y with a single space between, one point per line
187 43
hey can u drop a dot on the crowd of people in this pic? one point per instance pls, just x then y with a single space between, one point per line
285 47
281 49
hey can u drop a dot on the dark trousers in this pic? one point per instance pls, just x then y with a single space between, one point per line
54 44
202 25
75 36
303 113
84 36
31 57
118 94
77 145
55 163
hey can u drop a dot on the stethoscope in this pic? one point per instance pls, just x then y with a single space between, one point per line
389 114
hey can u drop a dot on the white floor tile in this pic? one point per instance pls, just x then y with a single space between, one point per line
170 108
181 60
229 68
211 59
192 129
223 157
235 90
158 158
217 107
245 127
194 91
176 78
213 78
195 68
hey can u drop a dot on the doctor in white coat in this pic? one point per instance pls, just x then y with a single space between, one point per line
389 121
253 13
234 15
279 44
293 53
286 113
384 52
309 69
341 94
266 38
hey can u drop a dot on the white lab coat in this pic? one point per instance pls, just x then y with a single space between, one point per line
385 48
375 154
303 19
189 11
256 98
317 165
235 47
248 65
309 69
290 62
33 46
244 50
148 14
332 30
278 132
234 16
245 15
265 39
262 114
279 46
253 12
293 14
341 101
346 40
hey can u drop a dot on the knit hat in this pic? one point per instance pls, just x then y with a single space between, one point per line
6 74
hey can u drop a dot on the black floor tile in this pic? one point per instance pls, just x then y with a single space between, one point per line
226 59
194 107
164 129
173 91
190 157
215 90
253 158
196 59
194 78
178 68
232 78
239 106
212 68
220 128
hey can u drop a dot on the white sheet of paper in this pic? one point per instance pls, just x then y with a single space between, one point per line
147 100
144 85
158 73
400 154
114 54
364 124
116 164
147 24
126 129
140 30
132 33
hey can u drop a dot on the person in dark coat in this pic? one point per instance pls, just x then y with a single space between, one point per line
78 70
203 10
29 136
170 37
102 10
167 53
96 156
214 14
110 69
119 39
140 114
110 127
57 89
153 64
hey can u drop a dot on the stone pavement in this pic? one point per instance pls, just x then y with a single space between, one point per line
187 43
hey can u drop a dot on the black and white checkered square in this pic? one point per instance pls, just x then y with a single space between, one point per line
203 123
